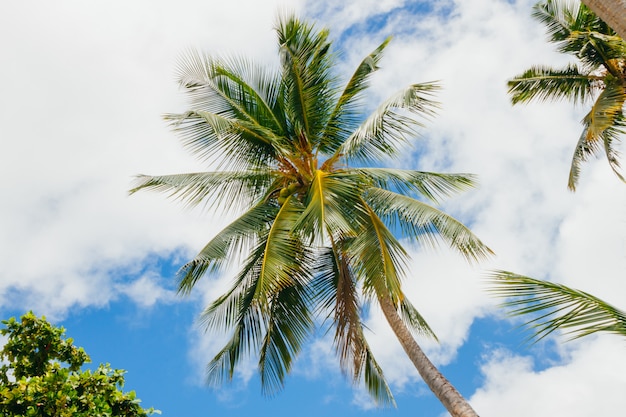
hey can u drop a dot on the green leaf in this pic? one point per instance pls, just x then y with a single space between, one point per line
554 307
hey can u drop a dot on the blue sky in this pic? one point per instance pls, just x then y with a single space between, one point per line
84 85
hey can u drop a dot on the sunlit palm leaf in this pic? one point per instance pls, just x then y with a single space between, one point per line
544 83
236 189
286 259
309 86
288 326
434 186
559 307
333 206
226 245
346 115
426 224
378 259
336 289
384 132
603 127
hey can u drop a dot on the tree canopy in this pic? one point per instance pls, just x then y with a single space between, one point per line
41 376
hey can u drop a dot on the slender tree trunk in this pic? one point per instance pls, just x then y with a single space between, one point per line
454 402
613 12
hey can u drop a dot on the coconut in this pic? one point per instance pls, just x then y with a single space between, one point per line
284 192
293 187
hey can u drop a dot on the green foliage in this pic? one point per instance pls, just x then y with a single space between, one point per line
315 232
599 76
556 307
40 376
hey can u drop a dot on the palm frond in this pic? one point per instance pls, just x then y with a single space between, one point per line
544 83
426 224
247 334
384 131
414 320
226 244
575 312
286 259
336 290
346 117
603 126
213 189
332 206
288 325
308 84
431 185
378 259
558 16
228 116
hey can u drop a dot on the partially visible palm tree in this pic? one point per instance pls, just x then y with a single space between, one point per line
599 77
316 232
556 307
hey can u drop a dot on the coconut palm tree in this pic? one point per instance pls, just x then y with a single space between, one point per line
556 306
613 12
316 231
599 77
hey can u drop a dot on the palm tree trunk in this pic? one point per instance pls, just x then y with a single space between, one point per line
454 402
613 12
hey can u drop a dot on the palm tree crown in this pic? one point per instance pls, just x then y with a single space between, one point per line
599 76
316 231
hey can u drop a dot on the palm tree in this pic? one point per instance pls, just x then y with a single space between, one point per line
600 77
613 12
316 232
558 306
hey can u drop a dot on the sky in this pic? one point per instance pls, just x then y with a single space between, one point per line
83 87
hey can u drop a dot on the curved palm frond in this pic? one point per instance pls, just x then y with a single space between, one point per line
426 224
333 207
220 188
378 259
559 307
288 326
384 131
544 83
601 76
308 84
346 115
603 126
230 241
431 185
228 116
336 290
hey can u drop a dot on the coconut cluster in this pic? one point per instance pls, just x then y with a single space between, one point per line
286 192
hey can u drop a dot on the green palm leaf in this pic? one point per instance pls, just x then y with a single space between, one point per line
559 307
544 83
335 287
390 126
233 239
239 189
346 115
426 224
432 185
603 127
309 87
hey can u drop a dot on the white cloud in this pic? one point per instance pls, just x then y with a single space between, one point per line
84 86
589 382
